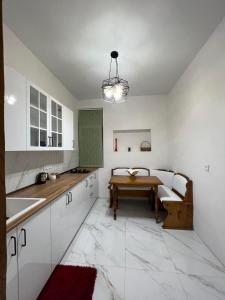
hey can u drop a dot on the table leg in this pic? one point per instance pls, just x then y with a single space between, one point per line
111 198
156 204
115 195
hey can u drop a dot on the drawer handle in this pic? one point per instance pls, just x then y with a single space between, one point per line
67 199
24 237
70 198
14 245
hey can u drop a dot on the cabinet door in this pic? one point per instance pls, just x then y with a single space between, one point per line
61 227
56 124
91 194
12 273
92 187
86 199
37 119
95 183
15 111
79 211
68 129
34 254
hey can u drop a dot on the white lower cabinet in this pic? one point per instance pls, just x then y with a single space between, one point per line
67 214
60 227
37 245
29 257
78 213
12 292
93 187
34 254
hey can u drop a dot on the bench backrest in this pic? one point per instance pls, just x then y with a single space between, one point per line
123 171
182 185
165 176
179 183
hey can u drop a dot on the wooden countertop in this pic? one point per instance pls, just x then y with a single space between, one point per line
49 190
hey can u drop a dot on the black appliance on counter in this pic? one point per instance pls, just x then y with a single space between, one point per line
79 170
41 177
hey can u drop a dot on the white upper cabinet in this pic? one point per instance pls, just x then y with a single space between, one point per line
15 110
33 119
56 125
68 129
37 118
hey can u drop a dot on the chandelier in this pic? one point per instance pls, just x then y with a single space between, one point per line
114 89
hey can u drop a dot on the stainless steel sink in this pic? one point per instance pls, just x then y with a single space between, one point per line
15 207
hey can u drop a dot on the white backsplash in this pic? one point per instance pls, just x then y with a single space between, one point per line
22 167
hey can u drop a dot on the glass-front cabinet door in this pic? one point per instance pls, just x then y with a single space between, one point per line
37 135
56 125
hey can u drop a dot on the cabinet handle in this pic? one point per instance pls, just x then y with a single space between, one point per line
67 199
86 181
71 197
14 244
24 237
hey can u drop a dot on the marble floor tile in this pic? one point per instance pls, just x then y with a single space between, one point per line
137 225
148 285
190 255
99 245
109 283
203 287
137 260
147 251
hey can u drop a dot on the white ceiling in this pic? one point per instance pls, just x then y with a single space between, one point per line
156 39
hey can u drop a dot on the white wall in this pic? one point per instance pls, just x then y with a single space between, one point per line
137 113
197 136
22 167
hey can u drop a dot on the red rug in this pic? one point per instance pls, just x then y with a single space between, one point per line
70 283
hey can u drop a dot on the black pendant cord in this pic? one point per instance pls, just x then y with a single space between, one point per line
117 72
110 68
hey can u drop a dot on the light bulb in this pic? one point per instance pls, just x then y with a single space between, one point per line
108 91
117 92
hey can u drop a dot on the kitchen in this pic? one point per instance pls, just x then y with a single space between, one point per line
67 141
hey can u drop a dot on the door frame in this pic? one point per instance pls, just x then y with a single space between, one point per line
2 172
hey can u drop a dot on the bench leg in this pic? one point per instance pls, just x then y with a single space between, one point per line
156 204
115 201
111 198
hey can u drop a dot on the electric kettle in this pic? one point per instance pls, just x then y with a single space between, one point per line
41 178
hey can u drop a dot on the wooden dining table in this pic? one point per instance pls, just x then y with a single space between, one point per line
118 181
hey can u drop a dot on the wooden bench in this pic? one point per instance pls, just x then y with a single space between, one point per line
176 196
129 191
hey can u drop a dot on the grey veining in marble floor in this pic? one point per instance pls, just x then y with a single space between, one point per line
137 260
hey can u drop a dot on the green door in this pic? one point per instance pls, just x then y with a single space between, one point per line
91 138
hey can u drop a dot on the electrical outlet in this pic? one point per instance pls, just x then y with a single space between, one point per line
207 168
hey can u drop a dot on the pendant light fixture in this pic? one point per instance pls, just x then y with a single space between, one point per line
114 89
